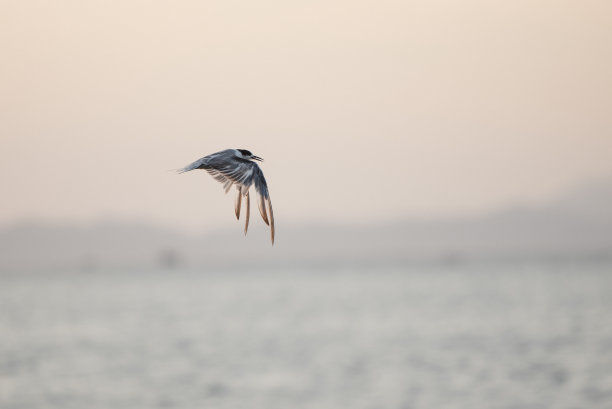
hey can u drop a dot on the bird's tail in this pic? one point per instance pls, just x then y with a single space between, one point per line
198 164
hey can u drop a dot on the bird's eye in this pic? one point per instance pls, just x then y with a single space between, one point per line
245 152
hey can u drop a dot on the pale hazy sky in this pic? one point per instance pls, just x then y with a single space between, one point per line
363 110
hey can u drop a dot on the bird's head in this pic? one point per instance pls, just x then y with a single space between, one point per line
244 154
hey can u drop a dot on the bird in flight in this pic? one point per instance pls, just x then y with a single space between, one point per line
236 167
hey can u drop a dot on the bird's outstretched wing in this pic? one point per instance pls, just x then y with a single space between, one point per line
243 174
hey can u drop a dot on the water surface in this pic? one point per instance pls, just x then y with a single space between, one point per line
490 336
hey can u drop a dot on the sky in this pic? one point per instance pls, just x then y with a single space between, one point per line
364 111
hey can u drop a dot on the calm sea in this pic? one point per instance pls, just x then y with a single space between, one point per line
487 336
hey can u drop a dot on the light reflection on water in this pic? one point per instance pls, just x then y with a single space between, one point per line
463 337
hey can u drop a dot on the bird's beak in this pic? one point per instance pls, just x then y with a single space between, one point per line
257 158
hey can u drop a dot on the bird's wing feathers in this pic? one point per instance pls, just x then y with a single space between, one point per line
237 203
248 212
240 173
244 175
261 187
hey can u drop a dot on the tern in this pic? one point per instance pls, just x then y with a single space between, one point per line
236 167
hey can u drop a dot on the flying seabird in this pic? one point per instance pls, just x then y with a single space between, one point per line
236 167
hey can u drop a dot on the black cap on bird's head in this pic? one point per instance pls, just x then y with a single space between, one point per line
248 155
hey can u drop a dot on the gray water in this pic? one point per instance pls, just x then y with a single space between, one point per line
453 337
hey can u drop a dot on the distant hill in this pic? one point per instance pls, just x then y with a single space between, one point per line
576 225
